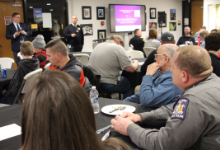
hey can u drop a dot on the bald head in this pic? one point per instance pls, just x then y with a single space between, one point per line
169 49
74 19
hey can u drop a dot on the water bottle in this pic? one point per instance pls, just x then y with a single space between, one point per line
94 94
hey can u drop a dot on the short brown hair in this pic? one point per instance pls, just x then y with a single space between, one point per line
212 41
117 38
57 46
115 144
195 60
15 14
27 48
58 115
152 34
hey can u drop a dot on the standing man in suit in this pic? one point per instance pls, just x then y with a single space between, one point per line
17 32
74 35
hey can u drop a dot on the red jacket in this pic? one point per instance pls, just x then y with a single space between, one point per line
42 58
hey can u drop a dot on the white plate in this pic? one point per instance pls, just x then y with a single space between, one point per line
106 109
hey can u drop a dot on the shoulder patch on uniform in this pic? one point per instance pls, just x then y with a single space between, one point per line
143 40
179 111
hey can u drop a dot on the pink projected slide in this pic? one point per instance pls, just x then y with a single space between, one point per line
127 17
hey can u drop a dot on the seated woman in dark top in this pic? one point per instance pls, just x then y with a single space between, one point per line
213 47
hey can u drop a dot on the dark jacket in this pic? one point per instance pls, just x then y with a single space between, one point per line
183 39
137 42
75 69
150 59
25 66
42 58
78 40
215 64
15 42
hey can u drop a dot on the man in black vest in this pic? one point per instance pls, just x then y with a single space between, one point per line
74 35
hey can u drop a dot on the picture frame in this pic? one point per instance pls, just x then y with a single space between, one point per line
172 26
87 29
152 13
153 25
172 14
86 12
101 34
100 11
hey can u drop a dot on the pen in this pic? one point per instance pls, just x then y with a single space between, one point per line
106 135
103 129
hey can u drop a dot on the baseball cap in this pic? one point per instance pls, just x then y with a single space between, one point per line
167 36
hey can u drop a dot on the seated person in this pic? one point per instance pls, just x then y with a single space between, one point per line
27 64
196 36
40 53
166 38
157 88
192 123
137 41
202 36
108 59
115 144
63 115
212 45
60 60
186 37
152 39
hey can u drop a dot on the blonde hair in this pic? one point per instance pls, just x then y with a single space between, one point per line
117 38
195 60
27 48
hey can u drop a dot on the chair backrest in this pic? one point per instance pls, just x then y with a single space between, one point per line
6 62
29 77
84 58
46 67
19 55
148 50
135 54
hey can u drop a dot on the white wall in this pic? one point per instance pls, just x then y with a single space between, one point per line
208 14
75 8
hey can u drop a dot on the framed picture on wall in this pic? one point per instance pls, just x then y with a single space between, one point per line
153 25
86 12
87 29
100 13
172 14
101 34
172 26
152 13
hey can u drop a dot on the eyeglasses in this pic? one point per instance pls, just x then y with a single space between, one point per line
155 55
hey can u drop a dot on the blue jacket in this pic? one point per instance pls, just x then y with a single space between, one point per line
15 42
156 91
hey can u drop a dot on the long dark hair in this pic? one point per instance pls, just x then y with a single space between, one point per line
57 115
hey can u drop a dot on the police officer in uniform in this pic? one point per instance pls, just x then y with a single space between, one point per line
74 35
137 41
193 121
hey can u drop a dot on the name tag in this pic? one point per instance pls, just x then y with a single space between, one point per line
78 28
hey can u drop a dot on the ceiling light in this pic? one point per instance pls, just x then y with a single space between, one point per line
48 3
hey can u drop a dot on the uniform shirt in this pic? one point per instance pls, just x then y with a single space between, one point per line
78 40
192 124
137 42
108 60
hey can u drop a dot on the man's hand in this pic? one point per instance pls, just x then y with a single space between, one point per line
17 33
132 117
152 69
23 32
3 92
120 124
73 35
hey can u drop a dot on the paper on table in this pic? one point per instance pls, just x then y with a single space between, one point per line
9 131
140 63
